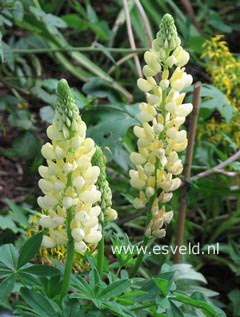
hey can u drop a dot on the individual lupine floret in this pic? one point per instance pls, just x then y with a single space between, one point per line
159 137
69 179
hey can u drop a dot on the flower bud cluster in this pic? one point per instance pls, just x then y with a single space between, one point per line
167 36
159 136
109 214
69 180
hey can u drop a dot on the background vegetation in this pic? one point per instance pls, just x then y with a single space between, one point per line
87 43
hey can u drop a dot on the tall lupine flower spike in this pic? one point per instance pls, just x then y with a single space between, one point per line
108 213
69 205
160 138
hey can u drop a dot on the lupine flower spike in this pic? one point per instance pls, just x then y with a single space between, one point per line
108 213
159 136
70 202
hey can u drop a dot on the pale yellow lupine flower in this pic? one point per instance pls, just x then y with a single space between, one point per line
69 179
157 164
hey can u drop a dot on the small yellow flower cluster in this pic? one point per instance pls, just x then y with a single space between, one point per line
224 70
159 137
68 181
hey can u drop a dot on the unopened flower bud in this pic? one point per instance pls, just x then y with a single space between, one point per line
111 214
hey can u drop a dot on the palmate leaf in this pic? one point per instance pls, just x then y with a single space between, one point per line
115 289
216 101
213 99
81 285
43 306
109 126
72 308
95 280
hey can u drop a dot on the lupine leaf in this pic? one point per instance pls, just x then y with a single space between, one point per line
111 128
41 270
41 304
115 289
18 11
9 256
29 249
7 285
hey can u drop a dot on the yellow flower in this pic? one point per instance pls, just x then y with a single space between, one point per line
159 137
224 70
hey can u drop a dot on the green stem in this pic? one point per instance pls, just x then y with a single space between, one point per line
139 258
37 4
118 270
100 256
77 49
70 255
145 242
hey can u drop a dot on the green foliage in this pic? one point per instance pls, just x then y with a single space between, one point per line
15 220
113 122
119 297
13 265
213 99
